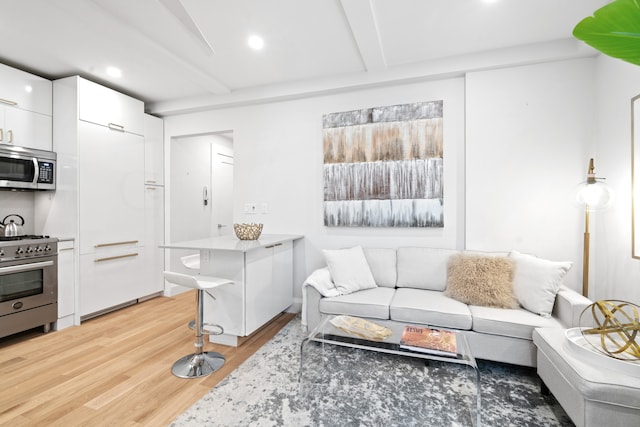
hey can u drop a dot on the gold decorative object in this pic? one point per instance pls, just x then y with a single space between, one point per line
618 324
362 328
248 231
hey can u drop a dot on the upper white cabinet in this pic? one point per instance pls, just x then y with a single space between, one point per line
25 109
153 150
25 91
106 107
25 128
98 135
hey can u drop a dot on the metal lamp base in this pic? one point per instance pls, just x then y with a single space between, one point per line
198 365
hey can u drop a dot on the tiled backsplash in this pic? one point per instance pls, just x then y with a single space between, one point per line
21 203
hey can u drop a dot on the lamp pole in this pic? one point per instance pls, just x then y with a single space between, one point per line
585 255
593 195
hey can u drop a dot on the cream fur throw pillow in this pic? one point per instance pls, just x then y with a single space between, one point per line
481 280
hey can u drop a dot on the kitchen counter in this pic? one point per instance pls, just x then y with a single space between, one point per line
232 243
262 275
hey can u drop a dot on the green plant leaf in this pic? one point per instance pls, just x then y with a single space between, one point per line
614 30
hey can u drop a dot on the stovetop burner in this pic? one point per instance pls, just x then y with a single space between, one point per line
23 237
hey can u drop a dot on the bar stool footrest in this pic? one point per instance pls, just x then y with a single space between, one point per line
220 331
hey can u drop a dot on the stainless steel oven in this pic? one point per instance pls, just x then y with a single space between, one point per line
28 283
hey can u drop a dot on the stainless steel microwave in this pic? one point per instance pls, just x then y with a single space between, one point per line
26 168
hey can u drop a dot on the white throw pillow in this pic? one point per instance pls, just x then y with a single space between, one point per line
536 282
349 269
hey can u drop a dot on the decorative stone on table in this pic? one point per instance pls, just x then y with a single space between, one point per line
247 231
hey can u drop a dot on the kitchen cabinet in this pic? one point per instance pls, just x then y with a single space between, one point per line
110 278
154 200
153 150
111 193
66 284
25 109
100 197
262 271
154 237
269 278
106 107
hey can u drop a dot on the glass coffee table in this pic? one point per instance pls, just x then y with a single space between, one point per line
318 357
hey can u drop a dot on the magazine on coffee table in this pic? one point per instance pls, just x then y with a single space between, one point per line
426 340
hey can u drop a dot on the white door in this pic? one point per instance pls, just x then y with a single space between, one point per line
222 184
190 186
201 181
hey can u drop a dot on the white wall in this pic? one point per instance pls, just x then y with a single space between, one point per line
278 160
529 134
616 275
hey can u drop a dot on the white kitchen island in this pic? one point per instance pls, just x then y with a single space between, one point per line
262 271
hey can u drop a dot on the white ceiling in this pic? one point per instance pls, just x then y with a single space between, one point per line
178 55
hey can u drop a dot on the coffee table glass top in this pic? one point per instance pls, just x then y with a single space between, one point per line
387 337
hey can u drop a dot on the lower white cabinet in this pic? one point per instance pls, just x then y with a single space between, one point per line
66 284
154 232
269 290
111 277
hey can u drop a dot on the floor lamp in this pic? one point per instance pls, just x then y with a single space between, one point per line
592 195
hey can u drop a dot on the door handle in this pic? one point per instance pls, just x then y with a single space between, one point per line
220 226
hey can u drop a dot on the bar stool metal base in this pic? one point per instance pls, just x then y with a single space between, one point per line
198 365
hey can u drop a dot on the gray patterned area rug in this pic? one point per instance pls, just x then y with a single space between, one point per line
350 387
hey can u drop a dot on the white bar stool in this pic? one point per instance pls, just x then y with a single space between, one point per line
192 262
198 364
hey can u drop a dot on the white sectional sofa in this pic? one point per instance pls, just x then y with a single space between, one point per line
412 285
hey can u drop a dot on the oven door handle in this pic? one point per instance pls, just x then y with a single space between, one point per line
25 267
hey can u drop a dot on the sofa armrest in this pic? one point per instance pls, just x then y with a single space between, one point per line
311 307
569 306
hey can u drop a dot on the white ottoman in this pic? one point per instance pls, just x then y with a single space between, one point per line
591 395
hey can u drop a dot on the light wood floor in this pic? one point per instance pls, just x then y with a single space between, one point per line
112 370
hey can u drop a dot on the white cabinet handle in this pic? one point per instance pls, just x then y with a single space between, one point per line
128 242
115 257
1 134
10 132
8 102
115 126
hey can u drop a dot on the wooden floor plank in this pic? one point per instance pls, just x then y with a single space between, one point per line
112 370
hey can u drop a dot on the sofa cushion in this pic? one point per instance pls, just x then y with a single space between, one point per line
383 264
429 308
537 281
516 323
423 268
373 303
349 269
481 280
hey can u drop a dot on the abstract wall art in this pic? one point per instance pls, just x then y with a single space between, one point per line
383 166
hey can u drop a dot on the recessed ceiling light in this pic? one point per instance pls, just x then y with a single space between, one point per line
114 72
255 42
